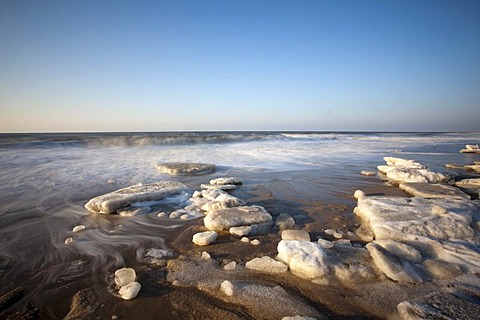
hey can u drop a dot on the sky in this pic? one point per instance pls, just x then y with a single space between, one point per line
321 65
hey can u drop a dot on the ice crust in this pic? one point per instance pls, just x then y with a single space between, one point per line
223 219
305 259
111 202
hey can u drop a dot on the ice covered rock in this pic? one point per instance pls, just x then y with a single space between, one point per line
130 291
285 222
305 259
111 202
224 219
125 276
428 190
266 265
295 235
204 238
181 168
78 228
396 217
392 266
223 181
227 288
218 186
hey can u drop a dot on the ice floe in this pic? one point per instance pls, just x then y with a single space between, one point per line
185 168
404 170
117 200
224 219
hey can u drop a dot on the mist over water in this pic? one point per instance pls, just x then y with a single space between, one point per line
47 178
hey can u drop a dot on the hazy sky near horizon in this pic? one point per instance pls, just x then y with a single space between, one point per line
239 65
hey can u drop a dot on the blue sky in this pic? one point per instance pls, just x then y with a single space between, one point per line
239 65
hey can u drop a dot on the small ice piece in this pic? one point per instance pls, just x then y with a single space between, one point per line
161 214
223 181
295 235
325 243
245 239
305 259
240 231
359 194
227 288
184 217
330 232
197 194
224 219
130 291
285 221
68 240
230 265
368 173
204 238
78 228
337 235
178 214
255 242
267 265
206 255
125 276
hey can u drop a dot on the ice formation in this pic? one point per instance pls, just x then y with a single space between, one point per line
111 202
181 168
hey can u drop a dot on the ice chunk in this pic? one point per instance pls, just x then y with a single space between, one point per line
305 259
130 291
218 186
295 235
212 194
267 265
393 267
223 201
206 255
223 181
125 276
224 219
230 266
78 228
359 194
325 243
285 222
368 173
396 217
403 170
245 239
113 201
182 168
428 190
68 240
255 242
204 238
227 288
401 250
240 231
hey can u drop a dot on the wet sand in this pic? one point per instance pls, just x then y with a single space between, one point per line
317 200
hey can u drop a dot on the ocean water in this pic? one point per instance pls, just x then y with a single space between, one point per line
47 178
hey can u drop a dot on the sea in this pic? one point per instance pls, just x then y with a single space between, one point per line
46 178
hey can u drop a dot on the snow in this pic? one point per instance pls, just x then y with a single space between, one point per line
224 219
204 238
305 259
111 202
266 265
295 235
